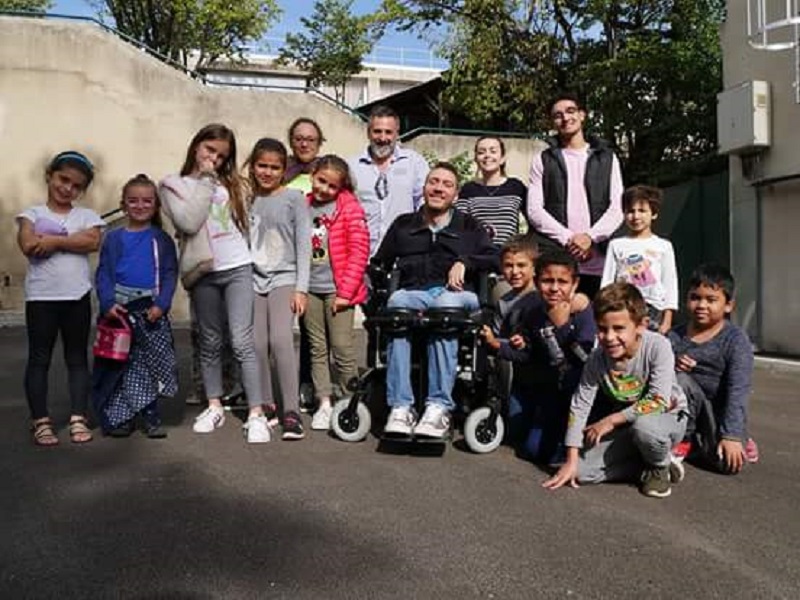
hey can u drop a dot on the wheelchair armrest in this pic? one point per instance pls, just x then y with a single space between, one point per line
486 283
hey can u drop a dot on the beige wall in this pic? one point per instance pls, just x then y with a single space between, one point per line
73 86
519 152
765 221
66 85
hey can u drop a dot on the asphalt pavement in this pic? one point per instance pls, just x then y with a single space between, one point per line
207 517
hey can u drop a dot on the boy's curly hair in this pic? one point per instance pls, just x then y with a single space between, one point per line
643 193
617 297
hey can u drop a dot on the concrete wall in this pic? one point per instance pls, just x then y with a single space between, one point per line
73 86
66 85
765 219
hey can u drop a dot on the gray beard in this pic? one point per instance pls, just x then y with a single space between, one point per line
380 150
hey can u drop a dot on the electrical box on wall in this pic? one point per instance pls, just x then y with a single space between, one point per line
743 118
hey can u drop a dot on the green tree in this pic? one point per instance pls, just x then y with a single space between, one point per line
332 46
177 29
649 70
31 5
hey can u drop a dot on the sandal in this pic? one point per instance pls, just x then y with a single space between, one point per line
79 432
43 433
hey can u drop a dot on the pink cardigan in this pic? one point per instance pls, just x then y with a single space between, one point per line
348 246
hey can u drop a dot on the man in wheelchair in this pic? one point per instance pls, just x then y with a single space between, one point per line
437 253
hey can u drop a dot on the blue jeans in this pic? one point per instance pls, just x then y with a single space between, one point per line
442 352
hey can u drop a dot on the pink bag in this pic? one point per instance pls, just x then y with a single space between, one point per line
113 339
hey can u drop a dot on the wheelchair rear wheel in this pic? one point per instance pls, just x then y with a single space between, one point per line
482 433
350 425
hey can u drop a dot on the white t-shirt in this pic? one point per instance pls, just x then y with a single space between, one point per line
228 245
62 275
647 263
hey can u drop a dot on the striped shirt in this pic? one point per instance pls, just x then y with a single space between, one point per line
497 207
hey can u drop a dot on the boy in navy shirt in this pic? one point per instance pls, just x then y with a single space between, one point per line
714 361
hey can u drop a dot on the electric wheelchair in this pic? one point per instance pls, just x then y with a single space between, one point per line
478 410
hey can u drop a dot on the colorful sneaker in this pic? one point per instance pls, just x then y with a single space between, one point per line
655 482
210 419
401 421
676 469
292 426
751 451
681 450
322 418
435 422
257 430
271 412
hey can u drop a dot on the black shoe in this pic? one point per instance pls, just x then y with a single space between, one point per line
292 426
656 482
271 413
122 430
155 432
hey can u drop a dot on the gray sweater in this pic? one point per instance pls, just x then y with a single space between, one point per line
280 241
643 385
724 371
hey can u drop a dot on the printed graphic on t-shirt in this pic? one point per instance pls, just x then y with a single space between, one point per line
319 238
267 246
629 389
220 221
636 271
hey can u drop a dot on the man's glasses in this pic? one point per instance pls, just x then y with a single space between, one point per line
382 187
559 116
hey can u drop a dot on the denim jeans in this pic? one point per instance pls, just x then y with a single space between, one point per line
442 352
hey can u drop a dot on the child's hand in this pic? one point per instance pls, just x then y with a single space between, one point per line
559 313
579 302
207 167
45 246
596 431
732 453
340 305
298 303
517 341
567 474
154 313
455 278
685 363
489 337
116 312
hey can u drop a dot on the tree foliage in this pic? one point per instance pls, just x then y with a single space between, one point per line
332 46
179 28
648 69
31 5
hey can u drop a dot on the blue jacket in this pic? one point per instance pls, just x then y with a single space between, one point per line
105 277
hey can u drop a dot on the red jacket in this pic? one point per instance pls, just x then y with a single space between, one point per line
348 247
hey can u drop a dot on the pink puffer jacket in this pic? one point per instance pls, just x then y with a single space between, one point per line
348 247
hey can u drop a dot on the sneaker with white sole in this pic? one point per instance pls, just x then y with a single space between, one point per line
210 419
292 426
257 430
401 421
656 482
435 422
322 418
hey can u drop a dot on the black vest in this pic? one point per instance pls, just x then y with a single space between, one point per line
597 181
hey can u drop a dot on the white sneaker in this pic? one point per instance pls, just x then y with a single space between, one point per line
322 418
257 430
435 422
210 419
401 421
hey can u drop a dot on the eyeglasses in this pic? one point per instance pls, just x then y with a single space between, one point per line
382 187
559 116
299 139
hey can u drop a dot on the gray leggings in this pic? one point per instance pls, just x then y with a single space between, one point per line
230 291
623 454
274 341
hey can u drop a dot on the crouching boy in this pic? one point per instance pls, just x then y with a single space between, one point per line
638 411
714 359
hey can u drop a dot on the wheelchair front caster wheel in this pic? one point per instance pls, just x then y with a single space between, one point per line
482 433
350 425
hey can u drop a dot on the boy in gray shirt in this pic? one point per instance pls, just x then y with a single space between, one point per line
638 414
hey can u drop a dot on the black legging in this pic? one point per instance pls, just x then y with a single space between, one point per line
44 320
